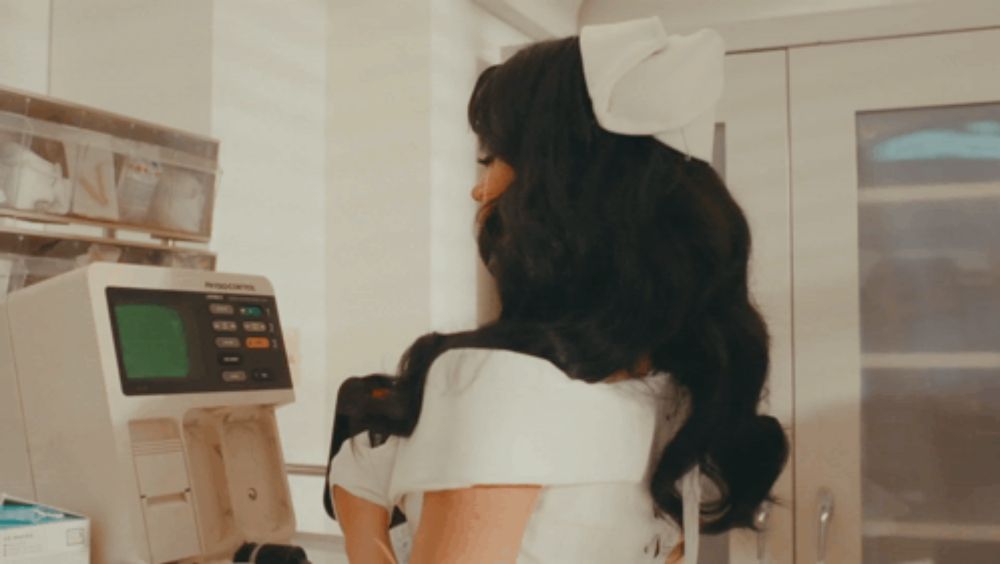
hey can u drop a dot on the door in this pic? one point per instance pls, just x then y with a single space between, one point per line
752 155
896 262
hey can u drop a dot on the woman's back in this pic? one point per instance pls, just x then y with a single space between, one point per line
500 417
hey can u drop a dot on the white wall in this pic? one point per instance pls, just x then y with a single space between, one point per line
402 257
24 45
464 38
378 205
685 13
539 19
150 60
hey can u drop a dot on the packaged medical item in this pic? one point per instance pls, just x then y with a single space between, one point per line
99 253
93 171
30 182
136 188
179 202
32 533
194 261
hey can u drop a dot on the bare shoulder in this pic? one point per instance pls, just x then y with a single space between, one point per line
482 523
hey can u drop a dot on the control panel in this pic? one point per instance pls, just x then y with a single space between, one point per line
171 342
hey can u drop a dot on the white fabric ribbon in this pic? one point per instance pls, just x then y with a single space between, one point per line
691 494
644 82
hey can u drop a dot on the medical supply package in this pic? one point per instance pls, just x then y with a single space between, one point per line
32 533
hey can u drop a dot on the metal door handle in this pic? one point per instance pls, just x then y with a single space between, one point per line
760 520
825 515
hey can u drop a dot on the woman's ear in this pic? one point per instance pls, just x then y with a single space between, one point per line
496 179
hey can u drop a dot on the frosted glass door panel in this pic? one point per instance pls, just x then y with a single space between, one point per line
930 448
929 229
928 234
917 148
928 274
896 184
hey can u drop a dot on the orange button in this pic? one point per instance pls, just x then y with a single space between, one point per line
258 343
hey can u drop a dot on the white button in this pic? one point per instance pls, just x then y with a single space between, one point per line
254 326
227 342
234 376
223 325
221 309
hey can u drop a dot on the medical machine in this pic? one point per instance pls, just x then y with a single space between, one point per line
144 398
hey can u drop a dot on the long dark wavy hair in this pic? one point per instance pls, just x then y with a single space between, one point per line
607 249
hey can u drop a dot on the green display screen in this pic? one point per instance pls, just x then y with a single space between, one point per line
153 341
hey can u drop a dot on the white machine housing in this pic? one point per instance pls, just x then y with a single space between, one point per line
171 469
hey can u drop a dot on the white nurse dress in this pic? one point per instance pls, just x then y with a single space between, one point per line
500 417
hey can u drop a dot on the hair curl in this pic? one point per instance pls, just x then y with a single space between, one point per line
607 249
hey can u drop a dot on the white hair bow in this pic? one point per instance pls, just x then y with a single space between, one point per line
645 82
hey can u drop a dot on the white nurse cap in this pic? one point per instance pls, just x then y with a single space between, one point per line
645 82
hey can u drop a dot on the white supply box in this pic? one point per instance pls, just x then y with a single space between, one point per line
58 536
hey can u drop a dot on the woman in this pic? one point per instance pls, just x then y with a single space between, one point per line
628 361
